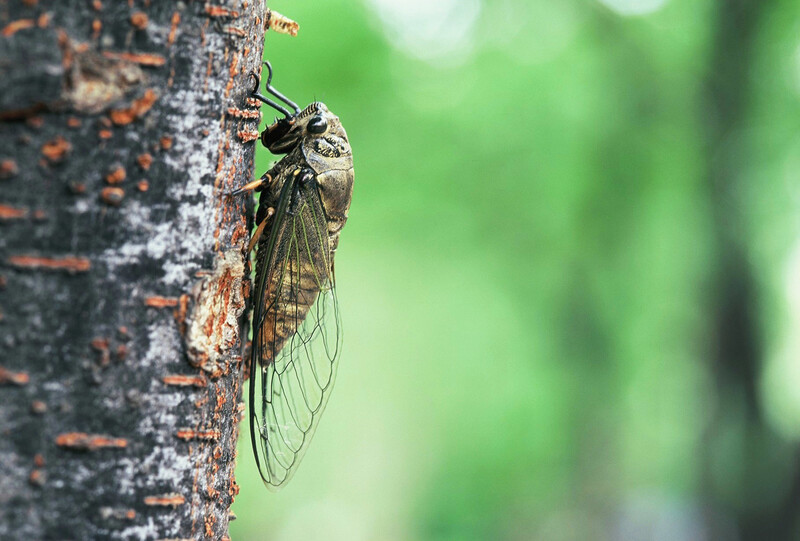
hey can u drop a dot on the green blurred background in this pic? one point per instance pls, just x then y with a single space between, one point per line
569 281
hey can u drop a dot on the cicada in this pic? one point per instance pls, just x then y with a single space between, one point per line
303 201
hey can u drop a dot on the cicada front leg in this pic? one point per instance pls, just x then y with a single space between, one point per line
260 229
255 186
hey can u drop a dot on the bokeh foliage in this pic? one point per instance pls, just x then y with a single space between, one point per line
529 279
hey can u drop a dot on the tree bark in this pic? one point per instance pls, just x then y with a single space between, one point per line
122 287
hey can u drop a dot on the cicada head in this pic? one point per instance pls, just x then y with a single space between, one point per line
315 122
319 135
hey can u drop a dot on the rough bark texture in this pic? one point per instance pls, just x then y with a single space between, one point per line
122 127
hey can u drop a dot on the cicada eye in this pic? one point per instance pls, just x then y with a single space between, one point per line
317 125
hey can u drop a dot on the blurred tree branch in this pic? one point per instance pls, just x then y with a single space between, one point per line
738 348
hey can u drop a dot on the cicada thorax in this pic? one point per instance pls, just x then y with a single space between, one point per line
331 157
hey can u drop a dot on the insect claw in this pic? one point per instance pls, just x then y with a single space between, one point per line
236 192
255 76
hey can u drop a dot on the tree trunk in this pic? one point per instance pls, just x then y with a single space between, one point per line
122 127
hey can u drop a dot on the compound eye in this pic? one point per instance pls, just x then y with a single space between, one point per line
317 125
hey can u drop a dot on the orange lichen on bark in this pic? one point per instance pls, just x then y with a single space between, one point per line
116 175
209 69
172 499
137 109
35 121
180 313
176 19
221 398
161 302
56 149
247 135
11 213
185 381
234 70
8 168
209 522
139 20
101 346
105 134
145 59
89 442
212 434
242 113
70 264
144 160
112 195
97 27
36 478
235 31
240 232
166 142
38 407
13 27
143 185
220 11
77 187
17 378
74 122
43 20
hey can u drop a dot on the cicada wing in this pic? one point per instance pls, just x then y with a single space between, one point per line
296 336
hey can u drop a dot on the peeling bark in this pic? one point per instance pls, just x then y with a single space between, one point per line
122 127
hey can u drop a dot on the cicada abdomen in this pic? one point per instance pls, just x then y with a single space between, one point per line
303 205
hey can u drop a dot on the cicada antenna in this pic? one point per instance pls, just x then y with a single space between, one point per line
271 89
261 97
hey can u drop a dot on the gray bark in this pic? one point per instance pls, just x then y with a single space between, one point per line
122 288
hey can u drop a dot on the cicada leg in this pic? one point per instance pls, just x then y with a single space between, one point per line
254 186
257 235
259 230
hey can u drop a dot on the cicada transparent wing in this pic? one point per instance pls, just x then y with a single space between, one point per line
296 331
